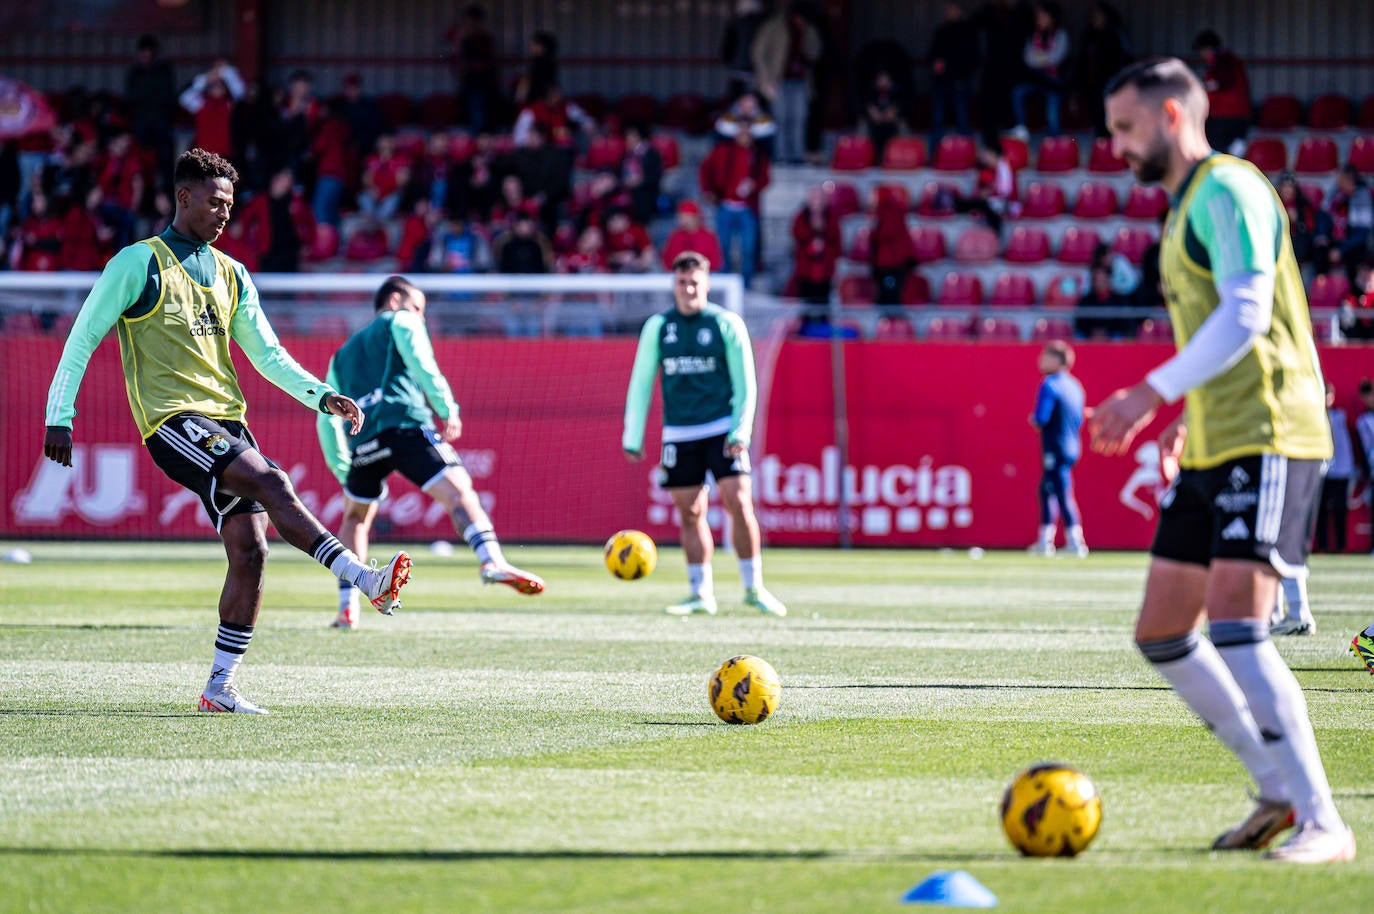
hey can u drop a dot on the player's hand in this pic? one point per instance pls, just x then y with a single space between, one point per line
1171 449
1121 417
339 405
633 456
735 448
453 429
57 444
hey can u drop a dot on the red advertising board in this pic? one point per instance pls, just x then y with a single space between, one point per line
940 450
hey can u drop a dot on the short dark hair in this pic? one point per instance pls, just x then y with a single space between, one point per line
148 42
1366 387
196 165
690 260
1208 39
1165 77
392 286
1061 350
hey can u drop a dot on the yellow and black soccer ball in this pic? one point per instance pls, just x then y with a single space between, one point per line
631 555
1051 810
745 690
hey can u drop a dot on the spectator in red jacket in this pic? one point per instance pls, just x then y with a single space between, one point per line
335 164
732 176
692 235
892 255
628 247
385 173
40 237
417 235
123 177
210 98
556 115
280 223
1228 93
994 192
816 248
234 242
86 237
589 256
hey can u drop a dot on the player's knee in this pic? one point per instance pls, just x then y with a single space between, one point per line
276 485
249 555
1167 650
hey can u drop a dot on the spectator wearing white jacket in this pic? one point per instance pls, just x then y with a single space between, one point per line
1046 51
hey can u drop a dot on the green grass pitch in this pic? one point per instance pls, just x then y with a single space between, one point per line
483 751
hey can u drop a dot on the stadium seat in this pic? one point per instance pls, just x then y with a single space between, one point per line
21 323
395 109
688 112
1327 290
1146 202
1057 154
1155 330
1077 245
1043 200
928 243
1017 152
1027 244
894 329
366 243
605 153
1101 159
439 110
844 198
905 153
1133 242
411 143
892 194
636 107
857 290
1362 154
1095 201
1330 112
853 152
978 244
961 289
325 245
1316 155
1279 112
1051 328
1012 290
1064 290
860 249
955 153
916 290
668 149
998 329
948 328
1267 153
1366 121
938 200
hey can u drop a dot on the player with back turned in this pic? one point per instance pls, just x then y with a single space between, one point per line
176 302
1245 456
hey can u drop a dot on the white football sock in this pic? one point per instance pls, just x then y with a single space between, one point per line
1047 535
1280 710
1076 537
1295 595
340 560
751 572
700 579
348 597
1195 670
231 642
483 541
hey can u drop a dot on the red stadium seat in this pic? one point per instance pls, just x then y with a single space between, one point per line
1132 242
1366 121
860 248
668 149
1064 290
1027 244
998 329
1016 151
687 111
1101 159
1362 154
325 245
366 243
636 107
1051 328
1095 201
1012 289
1316 155
1077 245
1057 154
1043 200
955 153
928 243
606 153
1267 153
1279 112
961 289
916 290
853 152
894 329
1330 112
949 328
938 200
857 290
439 110
978 244
395 108
844 198
1327 290
1146 202
891 194
905 153
1155 330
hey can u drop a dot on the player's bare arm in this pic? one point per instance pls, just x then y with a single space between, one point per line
339 405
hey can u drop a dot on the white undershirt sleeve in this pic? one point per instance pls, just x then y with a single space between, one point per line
1243 315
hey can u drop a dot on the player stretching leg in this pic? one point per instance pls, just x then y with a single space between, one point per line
389 367
708 386
1246 455
177 302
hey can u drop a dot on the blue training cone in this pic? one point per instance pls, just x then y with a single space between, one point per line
952 888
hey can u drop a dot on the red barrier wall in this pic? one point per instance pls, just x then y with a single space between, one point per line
941 452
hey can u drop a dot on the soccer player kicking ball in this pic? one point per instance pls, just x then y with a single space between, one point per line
705 364
177 302
389 367
1245 455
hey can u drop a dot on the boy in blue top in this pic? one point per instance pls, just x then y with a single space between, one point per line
1058 415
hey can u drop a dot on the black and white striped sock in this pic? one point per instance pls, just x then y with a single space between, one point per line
231 642
483 542
339 559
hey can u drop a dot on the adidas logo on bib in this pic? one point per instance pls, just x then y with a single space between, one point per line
1236 530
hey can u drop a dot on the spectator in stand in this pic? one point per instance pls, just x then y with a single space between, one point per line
1351 209
1103 52
297 119
39 246
71 171
459 249
882 113
826 70
363 116
523 249
641 172
474 66
816 250
1332 512
590 254
691 234
1364 431
253 128
210 98
747 113
994 194
511 202
1149 292
628 246
556 116
335 164
1046 51
785 53
151 95
9 189
603 194
125 175
472 190
954 56
1005 25
385 173
731 177
235 243
429 173
1228 93
86 237
1103 293
1306 223
737 47
891 253
280 223
1357 311
545 174
414 250
541 71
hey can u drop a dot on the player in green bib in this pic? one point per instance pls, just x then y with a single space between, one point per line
705 364
1244 457
389 368
176 302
